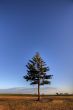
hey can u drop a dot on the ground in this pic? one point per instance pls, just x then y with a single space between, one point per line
20 102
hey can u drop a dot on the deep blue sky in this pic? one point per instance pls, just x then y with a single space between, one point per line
28 26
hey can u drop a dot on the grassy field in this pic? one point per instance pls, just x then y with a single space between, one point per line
29 102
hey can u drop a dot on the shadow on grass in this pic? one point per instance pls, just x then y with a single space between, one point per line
68 100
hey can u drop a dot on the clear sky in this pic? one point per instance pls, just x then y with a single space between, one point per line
30 26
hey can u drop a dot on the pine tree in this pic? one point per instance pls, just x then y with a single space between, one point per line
36 72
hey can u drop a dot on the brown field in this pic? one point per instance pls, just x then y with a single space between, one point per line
31 103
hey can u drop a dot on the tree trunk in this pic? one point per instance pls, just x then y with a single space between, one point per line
38 90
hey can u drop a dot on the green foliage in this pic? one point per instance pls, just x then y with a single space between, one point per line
37 71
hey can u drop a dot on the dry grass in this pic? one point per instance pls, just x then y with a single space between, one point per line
30 103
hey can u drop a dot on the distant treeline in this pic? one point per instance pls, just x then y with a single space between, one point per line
57 94
63 94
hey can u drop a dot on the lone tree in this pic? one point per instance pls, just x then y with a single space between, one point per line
36 72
